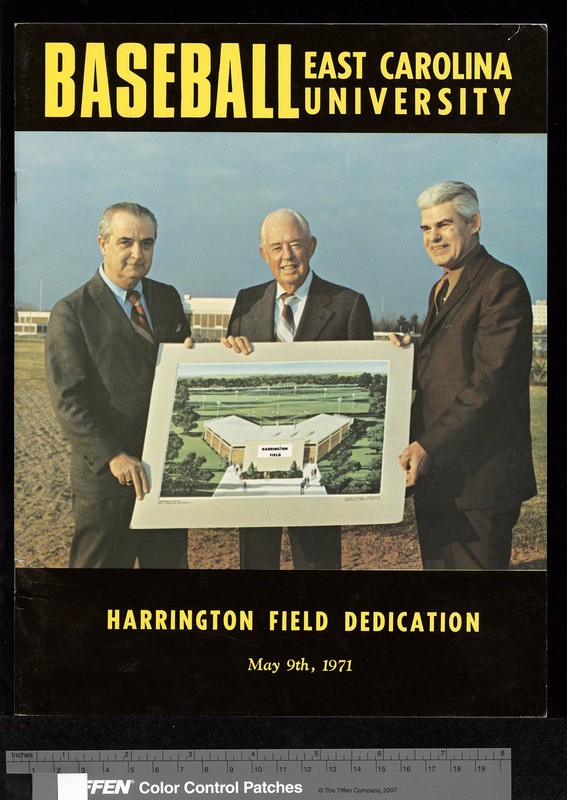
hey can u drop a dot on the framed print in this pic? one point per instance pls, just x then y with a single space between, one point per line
289 432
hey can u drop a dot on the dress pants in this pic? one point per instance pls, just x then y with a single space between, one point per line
475 539
311 547
103 540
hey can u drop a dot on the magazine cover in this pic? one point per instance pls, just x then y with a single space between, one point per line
297 469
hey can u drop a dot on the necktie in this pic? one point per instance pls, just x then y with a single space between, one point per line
441 294
138 316
284 331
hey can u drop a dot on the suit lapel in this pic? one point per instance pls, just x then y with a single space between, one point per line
106 302
262 313
158 313
434 321
115 317
316 314
430 314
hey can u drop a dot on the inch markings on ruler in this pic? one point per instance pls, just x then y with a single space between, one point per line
408 774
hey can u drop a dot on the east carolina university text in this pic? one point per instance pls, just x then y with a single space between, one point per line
184 80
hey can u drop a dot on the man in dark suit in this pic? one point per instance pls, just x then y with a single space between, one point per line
470 455
100 353
296 306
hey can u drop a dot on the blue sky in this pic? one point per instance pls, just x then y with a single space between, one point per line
210 192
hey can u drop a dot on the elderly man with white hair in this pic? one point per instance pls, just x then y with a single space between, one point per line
297 305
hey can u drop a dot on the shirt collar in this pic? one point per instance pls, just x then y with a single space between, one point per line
302 291
114 288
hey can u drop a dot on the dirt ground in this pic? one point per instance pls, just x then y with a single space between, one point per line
43 522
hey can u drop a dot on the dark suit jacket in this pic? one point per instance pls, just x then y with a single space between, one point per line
100 374
331 313
471 411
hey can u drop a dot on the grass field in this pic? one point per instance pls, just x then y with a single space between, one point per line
284 405
28 361
43 523
531 530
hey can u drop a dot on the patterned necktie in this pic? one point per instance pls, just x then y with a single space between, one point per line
138 316
441 294
284 330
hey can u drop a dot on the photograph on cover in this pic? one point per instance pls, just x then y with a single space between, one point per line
210 193
295 431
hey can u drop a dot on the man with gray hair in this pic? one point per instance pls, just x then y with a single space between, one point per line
100 355
469 459
296 306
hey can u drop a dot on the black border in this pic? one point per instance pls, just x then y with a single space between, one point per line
539 766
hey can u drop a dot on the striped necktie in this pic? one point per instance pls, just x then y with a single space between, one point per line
138 316
284 330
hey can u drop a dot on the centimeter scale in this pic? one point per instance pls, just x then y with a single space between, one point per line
396 774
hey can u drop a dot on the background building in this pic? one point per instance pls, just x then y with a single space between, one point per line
208 316
31 323
539 310
276 447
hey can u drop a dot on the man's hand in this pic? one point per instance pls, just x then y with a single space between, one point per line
239 344
188 343
415 460
129 470
399 339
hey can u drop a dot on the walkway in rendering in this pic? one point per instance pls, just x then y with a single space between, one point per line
233 485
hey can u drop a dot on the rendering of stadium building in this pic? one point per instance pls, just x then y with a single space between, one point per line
276 447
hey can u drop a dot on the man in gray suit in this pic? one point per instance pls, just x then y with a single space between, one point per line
100 356
469 458
296 306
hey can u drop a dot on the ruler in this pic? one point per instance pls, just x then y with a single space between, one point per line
296 774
